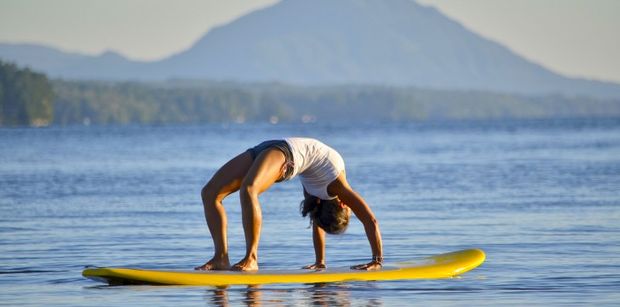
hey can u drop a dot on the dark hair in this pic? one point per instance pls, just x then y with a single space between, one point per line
330 215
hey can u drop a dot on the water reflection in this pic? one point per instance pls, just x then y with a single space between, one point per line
329 295
217 297
314 294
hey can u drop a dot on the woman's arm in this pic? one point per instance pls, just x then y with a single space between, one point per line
340 187
318 240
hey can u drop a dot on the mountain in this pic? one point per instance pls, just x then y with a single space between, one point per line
60 64
394 42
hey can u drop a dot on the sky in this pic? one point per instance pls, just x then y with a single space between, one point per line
577 38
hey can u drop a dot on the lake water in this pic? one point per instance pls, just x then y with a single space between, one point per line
541 198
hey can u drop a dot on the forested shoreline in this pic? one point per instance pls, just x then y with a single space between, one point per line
209 102
59 102
26 97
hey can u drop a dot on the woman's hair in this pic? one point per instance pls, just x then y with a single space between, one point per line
330 215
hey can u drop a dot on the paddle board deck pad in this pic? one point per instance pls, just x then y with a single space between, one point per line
437 266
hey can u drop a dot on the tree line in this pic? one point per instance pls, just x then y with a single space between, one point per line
26 97
37 100
212 102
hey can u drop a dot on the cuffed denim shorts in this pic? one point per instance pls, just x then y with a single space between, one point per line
284 148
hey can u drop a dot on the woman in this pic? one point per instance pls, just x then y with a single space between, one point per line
328 198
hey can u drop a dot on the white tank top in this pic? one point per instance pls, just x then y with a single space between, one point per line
317 165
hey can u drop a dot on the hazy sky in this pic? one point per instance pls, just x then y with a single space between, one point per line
573 37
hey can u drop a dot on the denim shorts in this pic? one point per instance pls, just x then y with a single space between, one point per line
284 148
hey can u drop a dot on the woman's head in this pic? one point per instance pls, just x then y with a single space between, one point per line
331 215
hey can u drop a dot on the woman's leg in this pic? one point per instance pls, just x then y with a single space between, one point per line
226 180
266 169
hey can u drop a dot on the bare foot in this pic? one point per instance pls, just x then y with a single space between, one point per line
214 265
315 266
371 266
246 265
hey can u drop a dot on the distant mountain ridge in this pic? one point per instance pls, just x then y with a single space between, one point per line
60 64
393 42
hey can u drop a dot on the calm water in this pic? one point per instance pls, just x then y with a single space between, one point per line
541 198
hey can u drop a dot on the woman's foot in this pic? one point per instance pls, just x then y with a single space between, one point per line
214 265
315 266
246 264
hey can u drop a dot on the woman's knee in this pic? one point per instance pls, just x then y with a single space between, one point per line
211 193
248 190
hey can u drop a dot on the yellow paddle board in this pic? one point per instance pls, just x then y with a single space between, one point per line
438 266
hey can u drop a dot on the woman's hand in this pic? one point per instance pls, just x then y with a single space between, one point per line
341 188
371 266
315 266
